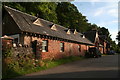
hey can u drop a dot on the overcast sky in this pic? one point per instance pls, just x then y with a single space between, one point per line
104 14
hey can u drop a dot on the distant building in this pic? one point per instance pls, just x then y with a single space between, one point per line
99 40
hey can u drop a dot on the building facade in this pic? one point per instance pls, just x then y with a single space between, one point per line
47 39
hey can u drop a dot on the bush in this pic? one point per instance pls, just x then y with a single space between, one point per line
87 55
24 64
7 53
19 65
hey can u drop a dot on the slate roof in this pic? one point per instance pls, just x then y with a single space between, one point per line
90 35
25 23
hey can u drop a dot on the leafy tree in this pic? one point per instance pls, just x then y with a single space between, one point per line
45 10
63 13
118 38
104 31
69 16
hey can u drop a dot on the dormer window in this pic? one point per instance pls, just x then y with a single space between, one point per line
82 36
37 22
75 31
68 31
53 27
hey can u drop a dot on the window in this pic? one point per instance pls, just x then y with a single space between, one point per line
44 46
79 48
54 27
15 40
61 47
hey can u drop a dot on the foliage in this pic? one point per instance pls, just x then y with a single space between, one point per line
7 53
87 55
63 13
69 16
45 10
118 38
57 12
13 67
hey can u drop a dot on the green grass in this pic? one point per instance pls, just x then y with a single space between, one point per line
17 71
63 61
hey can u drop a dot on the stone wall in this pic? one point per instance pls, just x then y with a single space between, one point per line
22 51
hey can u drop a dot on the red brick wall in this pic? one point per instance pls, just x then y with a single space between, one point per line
70 49
6 43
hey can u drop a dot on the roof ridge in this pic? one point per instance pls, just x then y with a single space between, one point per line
54 23
19 11
33 16
9 9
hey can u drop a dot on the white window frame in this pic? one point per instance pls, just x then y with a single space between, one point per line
61 47
44 45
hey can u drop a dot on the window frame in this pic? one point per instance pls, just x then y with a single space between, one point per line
61 47
45 46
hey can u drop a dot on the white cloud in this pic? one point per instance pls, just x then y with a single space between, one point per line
113 35
113 12
105 24
110 9
104 15
113 30
96 0
115 21
99 12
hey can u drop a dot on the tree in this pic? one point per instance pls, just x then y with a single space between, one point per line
63 13
105 31
118 38
45 10
69 16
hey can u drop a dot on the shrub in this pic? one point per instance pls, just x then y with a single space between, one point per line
7 53
87 54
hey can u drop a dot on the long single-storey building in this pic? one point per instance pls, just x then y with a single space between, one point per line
46 38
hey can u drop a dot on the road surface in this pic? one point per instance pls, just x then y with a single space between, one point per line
104 67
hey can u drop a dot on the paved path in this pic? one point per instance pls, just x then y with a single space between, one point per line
104 67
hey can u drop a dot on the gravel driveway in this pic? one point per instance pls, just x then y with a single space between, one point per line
104 67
